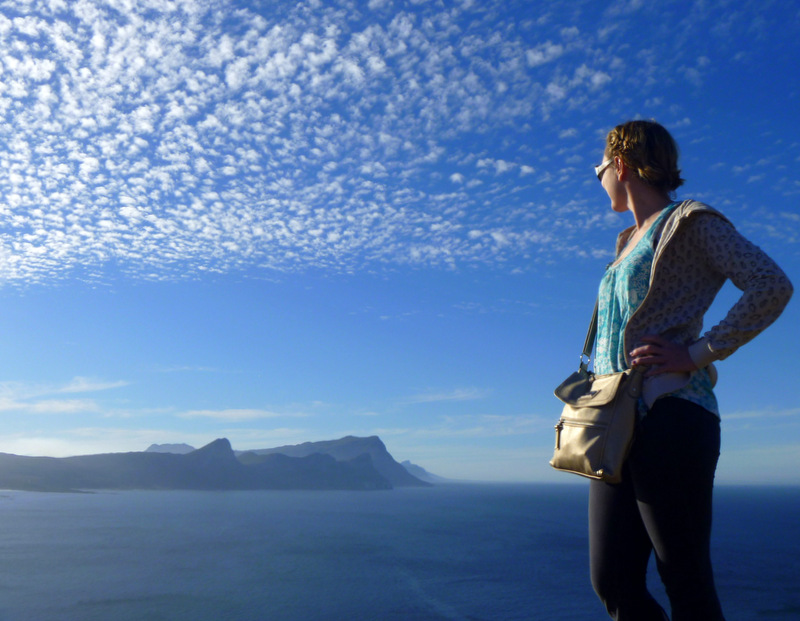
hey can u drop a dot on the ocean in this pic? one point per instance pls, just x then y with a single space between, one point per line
450 552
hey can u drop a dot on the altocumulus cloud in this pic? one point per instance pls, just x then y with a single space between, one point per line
171 138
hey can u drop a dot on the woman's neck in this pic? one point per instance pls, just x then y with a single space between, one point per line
646 207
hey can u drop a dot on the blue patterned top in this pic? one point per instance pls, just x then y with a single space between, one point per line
622 289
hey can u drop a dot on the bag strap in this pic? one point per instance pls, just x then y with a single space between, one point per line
588 345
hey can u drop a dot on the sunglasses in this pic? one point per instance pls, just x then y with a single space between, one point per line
601 168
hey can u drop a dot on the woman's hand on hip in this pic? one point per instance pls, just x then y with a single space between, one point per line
662 356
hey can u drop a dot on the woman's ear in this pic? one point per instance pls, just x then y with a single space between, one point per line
620 168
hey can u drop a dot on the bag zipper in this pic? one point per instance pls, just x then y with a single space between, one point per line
568 422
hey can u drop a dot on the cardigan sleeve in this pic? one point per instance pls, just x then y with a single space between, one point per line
766 290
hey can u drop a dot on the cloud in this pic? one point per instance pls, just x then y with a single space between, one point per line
49 406
543 53
556 91
235 415
35 399
764 414
95 440
169 141
85 384
194 144
459 394
500 166
471 426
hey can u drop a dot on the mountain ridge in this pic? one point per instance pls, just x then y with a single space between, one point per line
180 449
350 447
215 466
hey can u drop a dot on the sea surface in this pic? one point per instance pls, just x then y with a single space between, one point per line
451 552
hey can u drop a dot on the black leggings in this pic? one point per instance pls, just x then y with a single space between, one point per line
662 504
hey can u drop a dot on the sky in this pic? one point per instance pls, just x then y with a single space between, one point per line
279 222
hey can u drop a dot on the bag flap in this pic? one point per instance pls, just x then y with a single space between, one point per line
575 386
585 389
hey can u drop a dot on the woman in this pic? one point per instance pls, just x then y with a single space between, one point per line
669 267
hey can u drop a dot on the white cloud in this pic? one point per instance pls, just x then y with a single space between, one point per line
37 399
459 394
119 123
599 79
764 414
556 91
59 406
500 166
86 384
543 53
95 440
235 415
147 115
48 406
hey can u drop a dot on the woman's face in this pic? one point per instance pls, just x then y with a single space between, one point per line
612 185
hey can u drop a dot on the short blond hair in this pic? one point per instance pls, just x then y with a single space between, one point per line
649 149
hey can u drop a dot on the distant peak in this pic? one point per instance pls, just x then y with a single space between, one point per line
220 445
363 440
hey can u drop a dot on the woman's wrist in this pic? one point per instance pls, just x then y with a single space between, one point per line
701 353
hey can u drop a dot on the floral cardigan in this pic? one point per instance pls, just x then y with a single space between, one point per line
698 251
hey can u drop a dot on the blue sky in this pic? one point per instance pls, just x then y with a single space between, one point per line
279 222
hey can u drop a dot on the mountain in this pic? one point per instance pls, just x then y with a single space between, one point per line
350 447
212 467
421 473
316 471
180 449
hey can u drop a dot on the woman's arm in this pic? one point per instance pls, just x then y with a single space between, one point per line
765 292
765 288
